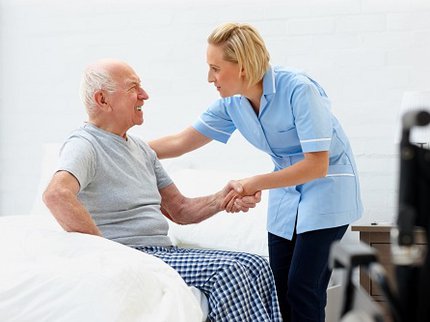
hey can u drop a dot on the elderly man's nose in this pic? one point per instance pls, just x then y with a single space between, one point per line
143 94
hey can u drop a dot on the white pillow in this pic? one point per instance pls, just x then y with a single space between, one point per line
245 232
49 164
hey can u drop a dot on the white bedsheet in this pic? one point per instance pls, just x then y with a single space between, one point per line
50 275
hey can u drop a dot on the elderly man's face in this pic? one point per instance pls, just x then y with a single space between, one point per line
127 101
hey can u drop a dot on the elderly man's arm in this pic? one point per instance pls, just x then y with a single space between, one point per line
183 210
61 198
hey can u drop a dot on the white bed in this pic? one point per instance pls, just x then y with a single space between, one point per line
47 274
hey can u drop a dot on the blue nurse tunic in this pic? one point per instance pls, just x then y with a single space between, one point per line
294 118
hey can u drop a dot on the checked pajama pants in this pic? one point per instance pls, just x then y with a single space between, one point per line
239 286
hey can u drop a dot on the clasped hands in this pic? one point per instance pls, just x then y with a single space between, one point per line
237 198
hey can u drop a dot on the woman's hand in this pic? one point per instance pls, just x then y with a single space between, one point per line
238 199
248 186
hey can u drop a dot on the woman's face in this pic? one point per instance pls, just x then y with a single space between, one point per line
226 76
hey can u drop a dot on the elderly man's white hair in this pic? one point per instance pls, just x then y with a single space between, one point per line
95 78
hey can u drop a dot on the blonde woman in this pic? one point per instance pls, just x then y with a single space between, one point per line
314 188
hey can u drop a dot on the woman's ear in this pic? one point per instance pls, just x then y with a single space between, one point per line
242 72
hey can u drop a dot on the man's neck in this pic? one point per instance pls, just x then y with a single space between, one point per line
108 128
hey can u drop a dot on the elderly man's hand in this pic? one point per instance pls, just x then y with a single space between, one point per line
235 200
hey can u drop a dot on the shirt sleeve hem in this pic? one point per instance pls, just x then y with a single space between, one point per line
210 132
316 146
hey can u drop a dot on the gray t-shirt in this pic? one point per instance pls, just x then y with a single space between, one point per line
119 182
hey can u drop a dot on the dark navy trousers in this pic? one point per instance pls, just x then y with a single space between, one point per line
300 268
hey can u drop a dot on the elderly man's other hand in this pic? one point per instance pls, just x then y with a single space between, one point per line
236 200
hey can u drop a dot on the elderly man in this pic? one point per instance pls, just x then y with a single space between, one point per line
111 184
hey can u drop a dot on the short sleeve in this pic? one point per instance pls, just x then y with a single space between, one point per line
215 122
312 117
161 176
77 157
163 179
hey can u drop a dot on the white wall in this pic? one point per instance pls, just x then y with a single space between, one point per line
365 53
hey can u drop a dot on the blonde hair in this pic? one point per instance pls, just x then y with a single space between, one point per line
242 44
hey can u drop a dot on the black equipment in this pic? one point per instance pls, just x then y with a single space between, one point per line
409 299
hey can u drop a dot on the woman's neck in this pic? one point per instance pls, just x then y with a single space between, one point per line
253 94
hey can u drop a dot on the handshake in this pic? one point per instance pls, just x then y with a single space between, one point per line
235 197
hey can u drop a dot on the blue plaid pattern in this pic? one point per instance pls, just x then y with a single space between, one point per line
239 286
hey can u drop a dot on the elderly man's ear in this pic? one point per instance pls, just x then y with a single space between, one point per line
100 99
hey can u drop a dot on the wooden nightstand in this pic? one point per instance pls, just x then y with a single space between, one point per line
378 236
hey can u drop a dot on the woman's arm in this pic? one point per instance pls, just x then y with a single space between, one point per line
313 166
175 145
